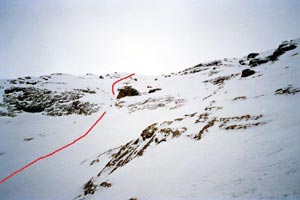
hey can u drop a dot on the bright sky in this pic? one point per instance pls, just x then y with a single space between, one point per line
40 37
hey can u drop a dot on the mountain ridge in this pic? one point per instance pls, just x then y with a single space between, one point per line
218 130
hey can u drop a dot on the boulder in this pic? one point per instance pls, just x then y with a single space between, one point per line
247 72
127 91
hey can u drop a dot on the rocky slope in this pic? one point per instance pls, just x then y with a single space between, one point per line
227 129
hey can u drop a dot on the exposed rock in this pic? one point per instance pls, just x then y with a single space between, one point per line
252 55
89 187
88 90
221 79
174 132
244 118
46 78
282 49
156 133
154 90
239 98
257 61
95 161
242 62
154 103
31 82
201 67
35 100
127 91
135 148
287 90
149 131
202 118
243 126
56 74
105 184
247 72
28 139
205 128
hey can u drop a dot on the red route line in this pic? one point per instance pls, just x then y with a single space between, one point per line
67 145
54 152
121 79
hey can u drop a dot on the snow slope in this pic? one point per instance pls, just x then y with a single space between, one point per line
208 133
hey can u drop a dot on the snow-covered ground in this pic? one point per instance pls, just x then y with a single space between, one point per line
208 133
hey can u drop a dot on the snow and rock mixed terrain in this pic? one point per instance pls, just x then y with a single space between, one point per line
227 129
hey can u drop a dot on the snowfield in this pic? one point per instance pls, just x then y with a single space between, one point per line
227 129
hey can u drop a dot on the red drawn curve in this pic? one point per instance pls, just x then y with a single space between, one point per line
54 152
121 79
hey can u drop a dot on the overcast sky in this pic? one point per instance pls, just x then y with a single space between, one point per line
40 37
